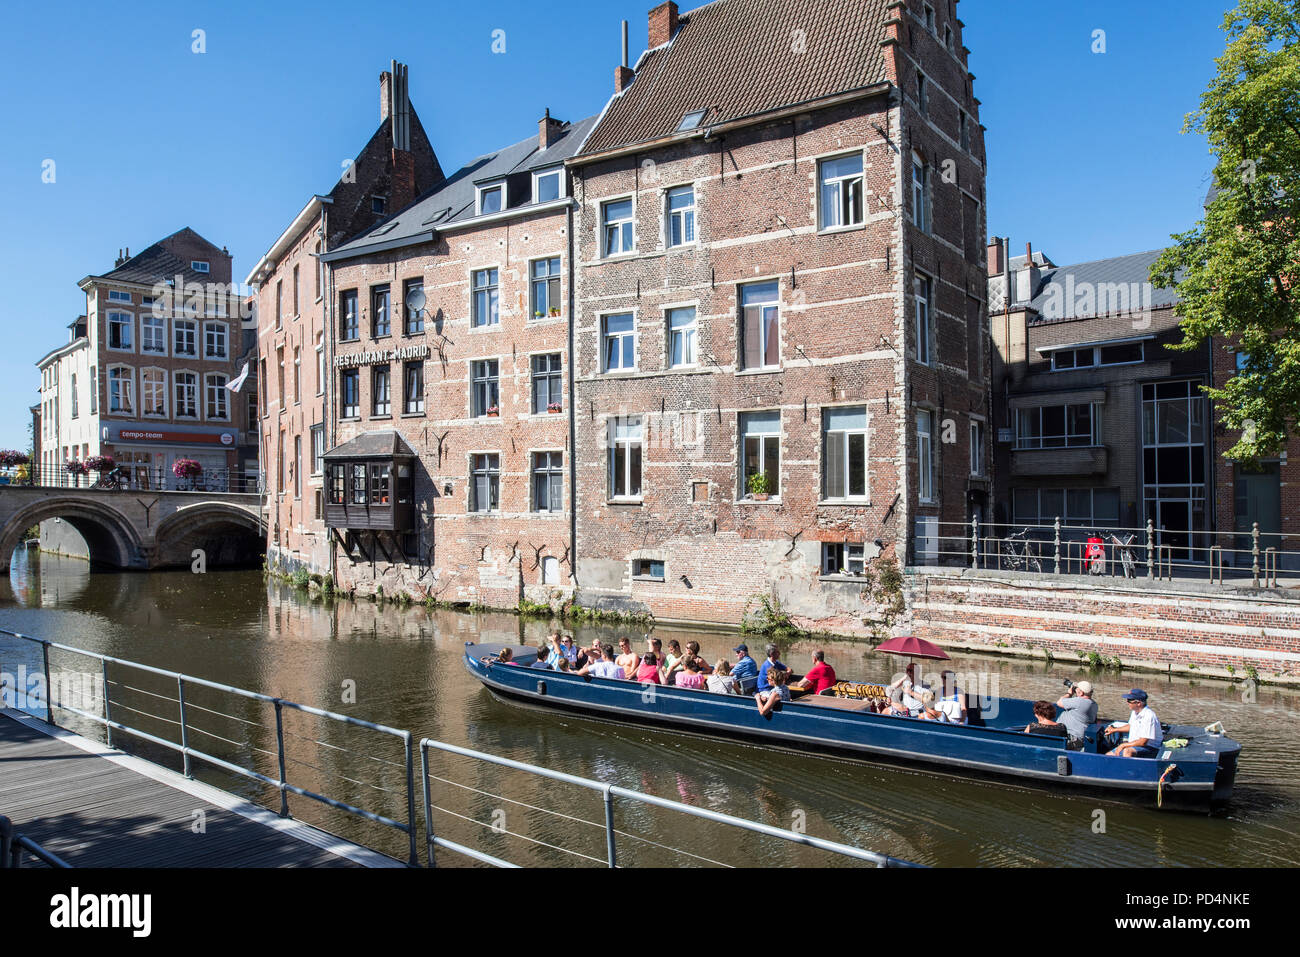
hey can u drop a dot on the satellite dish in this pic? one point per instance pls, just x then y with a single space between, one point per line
415 300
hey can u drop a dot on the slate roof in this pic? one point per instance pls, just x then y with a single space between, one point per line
737 58
385 444
1120 271
157 263
453 202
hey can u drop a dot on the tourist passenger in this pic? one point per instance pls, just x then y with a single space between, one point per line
648 670
722 681
627 659
541 662
1046 723
1078 712
911 688
745 670
928 710
690 676
569 649
1142 735
951 700
506 657
772 659
895 705
672 663
776 690
819 677
693 649
604 666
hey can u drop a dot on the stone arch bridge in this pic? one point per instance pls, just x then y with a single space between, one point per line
124 528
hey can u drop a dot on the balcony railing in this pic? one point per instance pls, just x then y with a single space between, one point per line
135 478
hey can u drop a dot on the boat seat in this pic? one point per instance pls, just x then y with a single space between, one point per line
843 704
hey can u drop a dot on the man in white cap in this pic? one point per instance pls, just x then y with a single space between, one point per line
1078 712
1142 736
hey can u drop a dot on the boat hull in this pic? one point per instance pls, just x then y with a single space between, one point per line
1201 780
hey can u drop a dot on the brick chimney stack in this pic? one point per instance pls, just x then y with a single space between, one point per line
996 265
623 75
663 23
548 130
385 94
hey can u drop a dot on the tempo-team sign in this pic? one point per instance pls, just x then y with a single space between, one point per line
382 355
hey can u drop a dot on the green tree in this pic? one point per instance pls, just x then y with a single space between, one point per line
1237 273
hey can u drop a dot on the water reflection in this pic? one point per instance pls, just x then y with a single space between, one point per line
404 664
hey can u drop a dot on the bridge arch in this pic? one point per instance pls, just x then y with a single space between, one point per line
228 534
110 537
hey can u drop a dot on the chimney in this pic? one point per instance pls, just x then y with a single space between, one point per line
548 130
995 264
385 94
663 23
623 75
402 193
1027 279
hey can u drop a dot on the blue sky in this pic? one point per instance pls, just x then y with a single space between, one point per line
1085 155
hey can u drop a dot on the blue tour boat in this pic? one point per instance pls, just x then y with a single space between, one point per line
1199 774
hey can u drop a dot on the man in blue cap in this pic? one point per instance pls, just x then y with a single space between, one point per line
745 670
1140 738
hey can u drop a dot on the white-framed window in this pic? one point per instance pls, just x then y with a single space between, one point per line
185 386
925 454
923 291
548 384
618 335
491 198
844 453
485 304
200 265
548 184
413 388
626 447
680 213
317 449
185 337
120 325
320 364
1073 425
153 334
548 481
760 326
214 340
485 389
616 228
1086 357
350 393
485 483
218 397
544 287
94 390
681 337
121 390
115 295
844 558
381 391
381 319
841 185
920 194
760 450
73 378
153 392
977 447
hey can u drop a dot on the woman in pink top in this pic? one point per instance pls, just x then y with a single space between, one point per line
648 670
691 676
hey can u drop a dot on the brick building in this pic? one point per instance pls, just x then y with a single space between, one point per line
145 375
780 273
449 474
397 164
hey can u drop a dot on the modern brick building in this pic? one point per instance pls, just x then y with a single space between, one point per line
449 473
397 164
145 375
780 273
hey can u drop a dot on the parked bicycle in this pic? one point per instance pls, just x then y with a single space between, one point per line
1019 556
112 479
1123 548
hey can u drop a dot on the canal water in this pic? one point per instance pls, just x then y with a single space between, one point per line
402 667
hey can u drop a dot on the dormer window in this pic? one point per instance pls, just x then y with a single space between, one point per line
491 199
691 121
200 265
548 184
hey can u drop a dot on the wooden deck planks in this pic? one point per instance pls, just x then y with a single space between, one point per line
95 807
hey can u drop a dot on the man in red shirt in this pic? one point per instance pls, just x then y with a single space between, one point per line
819 677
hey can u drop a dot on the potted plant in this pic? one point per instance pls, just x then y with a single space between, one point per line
555 311
554 407
759 487
100 463
74 467
493 411
187 470
538 314
12 457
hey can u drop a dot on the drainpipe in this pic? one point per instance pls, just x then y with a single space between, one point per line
573 412
327 419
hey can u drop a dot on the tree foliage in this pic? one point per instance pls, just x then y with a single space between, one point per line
1237 273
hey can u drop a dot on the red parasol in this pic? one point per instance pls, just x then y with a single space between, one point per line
913 647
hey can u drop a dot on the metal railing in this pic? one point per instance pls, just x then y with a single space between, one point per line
188 752
139 478
111 721
12 845
608 793
1256 558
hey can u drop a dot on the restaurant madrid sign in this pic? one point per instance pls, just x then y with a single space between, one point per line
377 357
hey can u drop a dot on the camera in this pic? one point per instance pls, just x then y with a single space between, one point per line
1069 684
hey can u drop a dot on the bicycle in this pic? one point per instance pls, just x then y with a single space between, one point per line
1025 559
1124 550
113 479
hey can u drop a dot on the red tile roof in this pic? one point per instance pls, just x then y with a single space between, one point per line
741 58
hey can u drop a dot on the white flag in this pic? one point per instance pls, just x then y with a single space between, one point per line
236 384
